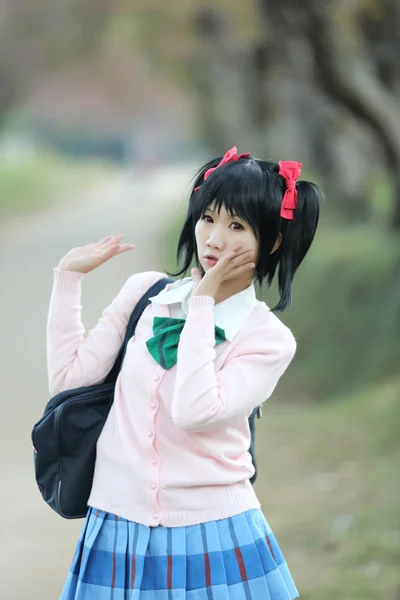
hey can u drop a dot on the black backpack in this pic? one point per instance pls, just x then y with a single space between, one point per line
64 439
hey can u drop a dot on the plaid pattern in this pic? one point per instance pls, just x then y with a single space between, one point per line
237 558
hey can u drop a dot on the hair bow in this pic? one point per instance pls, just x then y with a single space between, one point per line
230 156
291 171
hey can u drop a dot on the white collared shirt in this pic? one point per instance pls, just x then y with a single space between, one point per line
230 314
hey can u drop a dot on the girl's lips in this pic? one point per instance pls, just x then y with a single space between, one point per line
210 260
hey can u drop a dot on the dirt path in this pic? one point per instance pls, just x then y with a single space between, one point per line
36 545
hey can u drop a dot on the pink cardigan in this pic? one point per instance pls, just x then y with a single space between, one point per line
174 449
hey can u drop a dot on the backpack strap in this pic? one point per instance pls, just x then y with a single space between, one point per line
133 321
257 412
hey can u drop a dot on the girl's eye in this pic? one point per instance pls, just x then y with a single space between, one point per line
236 226
239 226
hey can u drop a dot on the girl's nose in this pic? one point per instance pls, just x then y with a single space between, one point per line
215 242
216 237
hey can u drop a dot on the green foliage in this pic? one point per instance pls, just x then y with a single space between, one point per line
329 485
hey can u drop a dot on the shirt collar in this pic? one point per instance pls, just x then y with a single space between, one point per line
229 314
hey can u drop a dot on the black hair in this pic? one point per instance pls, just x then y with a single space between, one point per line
253 190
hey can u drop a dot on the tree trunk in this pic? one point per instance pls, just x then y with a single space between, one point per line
350 80
221 79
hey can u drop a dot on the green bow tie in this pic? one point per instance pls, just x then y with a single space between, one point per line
164 345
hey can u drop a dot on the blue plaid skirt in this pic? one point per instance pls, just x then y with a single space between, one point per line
237 558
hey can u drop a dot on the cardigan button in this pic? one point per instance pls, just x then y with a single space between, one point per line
153 406
153 486
150 434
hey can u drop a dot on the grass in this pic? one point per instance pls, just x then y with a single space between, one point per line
36 182
330 489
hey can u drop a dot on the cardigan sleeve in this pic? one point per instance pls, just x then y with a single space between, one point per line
74 360
205 398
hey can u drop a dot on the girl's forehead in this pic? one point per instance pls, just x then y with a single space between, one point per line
217 209
221 209
217 206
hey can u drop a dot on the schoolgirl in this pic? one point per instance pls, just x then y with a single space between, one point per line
172 514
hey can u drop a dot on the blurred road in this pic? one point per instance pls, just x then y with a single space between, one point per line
37 545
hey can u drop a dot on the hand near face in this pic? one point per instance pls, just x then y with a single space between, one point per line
233 265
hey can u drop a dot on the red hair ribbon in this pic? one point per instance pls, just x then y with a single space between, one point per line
230 156
291 171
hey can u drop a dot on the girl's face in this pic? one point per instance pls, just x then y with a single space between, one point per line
218 233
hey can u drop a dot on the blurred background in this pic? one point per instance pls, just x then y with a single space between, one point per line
106 112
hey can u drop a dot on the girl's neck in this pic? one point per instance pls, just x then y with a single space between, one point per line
230 288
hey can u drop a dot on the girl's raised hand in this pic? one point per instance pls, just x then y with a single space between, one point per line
86 258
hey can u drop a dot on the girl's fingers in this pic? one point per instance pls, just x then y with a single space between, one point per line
235 260
125 248
196 275
108 252
230 255
112 240
234 264
233 253
104 240
242 270
117 249
240 265
245 256
225 259
248 264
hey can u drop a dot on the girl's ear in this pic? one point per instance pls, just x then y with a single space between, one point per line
277 243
